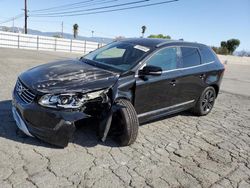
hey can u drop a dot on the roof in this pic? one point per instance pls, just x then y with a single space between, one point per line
155 42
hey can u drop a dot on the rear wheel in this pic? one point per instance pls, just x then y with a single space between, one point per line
125 124
205 103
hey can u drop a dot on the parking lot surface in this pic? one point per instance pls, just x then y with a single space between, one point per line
180 151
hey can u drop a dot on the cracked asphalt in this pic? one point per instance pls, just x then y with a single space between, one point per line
180 151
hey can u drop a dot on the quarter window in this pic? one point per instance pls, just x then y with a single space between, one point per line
207 55
190 57
165 58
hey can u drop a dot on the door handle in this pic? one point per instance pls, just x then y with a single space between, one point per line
173 82
202 76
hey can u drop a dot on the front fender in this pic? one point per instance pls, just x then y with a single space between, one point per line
124 88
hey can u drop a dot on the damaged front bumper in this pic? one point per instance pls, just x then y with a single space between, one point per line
50 125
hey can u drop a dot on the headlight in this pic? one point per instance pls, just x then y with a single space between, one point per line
68 100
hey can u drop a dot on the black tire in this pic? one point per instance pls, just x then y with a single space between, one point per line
205 103
126 123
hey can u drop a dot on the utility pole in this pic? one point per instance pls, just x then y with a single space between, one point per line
62 30
13 24
25 17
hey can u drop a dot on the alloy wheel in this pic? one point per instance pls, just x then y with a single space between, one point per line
208 101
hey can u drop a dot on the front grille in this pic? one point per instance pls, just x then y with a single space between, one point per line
24 92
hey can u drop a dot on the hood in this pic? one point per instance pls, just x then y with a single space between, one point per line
67 76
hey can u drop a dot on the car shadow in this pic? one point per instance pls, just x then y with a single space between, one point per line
85 134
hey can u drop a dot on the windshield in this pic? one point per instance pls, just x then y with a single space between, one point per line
120 56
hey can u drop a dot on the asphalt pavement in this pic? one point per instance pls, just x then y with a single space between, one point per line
180 151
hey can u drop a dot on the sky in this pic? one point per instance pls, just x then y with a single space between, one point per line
204 21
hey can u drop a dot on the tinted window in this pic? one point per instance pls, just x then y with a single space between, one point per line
111 53
117 56
190 56
165 58
207 55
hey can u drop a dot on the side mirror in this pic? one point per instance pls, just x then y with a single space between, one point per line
150 70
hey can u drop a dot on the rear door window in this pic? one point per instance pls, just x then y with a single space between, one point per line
190 57
207 55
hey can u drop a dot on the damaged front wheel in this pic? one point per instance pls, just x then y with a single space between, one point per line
125 123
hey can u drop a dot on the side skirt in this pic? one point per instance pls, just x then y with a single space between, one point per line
156 114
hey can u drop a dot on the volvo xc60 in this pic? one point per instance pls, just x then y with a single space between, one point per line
120 85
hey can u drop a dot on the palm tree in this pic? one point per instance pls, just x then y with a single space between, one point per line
143 30
75 30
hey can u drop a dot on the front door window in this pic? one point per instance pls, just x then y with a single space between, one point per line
165 58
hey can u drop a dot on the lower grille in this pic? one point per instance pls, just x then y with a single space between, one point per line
24 92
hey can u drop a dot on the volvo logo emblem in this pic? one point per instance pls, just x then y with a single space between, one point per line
20 89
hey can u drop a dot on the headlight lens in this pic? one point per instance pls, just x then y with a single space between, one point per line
68 100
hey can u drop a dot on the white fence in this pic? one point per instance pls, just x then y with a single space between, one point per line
35 42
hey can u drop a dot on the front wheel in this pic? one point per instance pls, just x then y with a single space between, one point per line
205 103
125 124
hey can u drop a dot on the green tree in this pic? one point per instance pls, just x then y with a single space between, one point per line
220 50
75 30
161 36
232 44
223 51
223 44
227 47
143 28
215 49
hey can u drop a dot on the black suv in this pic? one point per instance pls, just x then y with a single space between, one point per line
120 85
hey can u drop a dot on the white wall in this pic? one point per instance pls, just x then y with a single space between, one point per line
35 42
229 59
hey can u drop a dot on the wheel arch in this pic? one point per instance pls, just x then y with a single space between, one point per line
130 99
216 87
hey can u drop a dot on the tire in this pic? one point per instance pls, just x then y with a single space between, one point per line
125 123
205 103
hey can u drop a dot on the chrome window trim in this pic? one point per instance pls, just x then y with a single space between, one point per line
164 109
189 67
143 63
180 68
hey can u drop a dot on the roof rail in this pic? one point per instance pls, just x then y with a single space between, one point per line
166 42
161 44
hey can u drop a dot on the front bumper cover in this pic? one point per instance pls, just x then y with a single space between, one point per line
19 122
53 126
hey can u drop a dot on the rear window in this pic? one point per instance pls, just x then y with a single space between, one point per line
190 56
207 55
